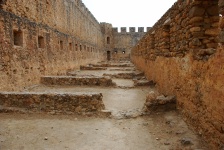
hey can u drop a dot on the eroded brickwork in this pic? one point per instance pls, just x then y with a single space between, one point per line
183 54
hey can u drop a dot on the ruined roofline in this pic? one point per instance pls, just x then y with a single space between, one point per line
131 30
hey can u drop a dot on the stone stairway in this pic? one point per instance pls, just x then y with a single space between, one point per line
105 86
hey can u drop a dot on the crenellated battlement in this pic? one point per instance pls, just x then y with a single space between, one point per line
131 30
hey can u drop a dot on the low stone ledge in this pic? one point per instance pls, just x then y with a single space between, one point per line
120 75
122 69
77 80
144 83
126 75
92 68
53 102
112 65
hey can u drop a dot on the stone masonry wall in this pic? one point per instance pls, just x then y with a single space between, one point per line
39 37
183 54
124 41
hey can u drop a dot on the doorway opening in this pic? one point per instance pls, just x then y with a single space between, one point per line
108 55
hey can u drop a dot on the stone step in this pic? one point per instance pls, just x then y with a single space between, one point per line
126 75
112 65
77 80
143 83
120 75
53 102
89 67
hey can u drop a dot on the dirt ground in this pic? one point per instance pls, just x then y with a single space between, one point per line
47 132
125 129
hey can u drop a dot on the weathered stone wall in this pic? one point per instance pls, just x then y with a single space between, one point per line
124 41
183 54
107 30
42 37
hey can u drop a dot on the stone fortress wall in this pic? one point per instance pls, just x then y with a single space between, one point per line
124 41
183 54
42 37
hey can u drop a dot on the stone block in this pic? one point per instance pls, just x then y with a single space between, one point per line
196 19
221 22
213 10
195 29
221 37
196 11
221 3
212 32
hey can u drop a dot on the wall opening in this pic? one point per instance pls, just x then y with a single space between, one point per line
41 43
108 55
18 38
123 52
115 52
76 47
61 45
108 40
70 46
80 47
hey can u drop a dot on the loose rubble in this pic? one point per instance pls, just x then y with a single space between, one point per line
156 103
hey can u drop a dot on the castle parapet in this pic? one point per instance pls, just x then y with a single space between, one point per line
132 29
123 29
140 29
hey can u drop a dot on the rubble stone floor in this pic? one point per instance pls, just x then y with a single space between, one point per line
125 129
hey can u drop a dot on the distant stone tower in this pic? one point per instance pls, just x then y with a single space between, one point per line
124 41
107 31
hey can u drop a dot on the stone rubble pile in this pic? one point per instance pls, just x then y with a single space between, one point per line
156 102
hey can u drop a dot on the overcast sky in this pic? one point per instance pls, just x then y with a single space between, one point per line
128 13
